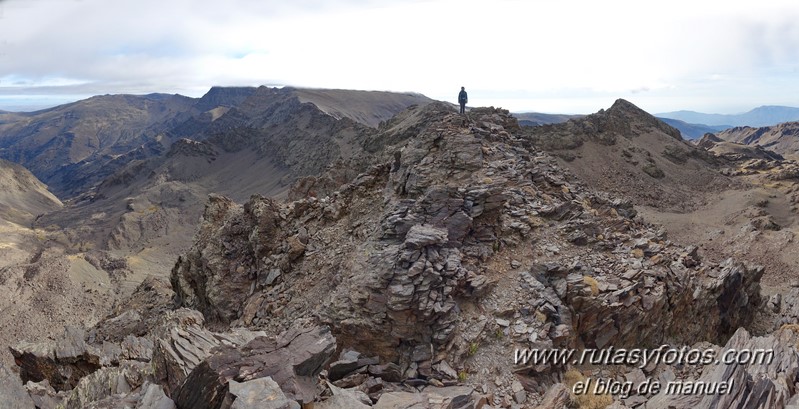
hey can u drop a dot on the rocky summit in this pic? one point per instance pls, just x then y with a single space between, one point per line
421 269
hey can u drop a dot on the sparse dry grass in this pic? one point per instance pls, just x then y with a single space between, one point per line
587 400
794 327
591 282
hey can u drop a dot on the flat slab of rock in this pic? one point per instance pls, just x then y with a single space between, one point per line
12 394
261 393
155 398
422 235
342 398
184 347
452 397
62 364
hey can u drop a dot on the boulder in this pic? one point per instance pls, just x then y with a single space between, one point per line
343 398
137 315
108 382
62 363
153 397
43 395
260 393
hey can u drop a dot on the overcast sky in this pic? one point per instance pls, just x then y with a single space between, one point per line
556 56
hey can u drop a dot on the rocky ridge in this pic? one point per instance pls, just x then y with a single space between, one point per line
630 153
409 286
780 138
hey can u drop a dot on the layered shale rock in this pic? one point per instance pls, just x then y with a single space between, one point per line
410 285
293 361
391 259
767 382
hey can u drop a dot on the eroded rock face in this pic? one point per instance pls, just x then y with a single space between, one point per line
139 314
182 343
400 249
62 363
293 361
768 383
217 276
640 304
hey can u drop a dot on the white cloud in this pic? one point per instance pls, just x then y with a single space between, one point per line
546 55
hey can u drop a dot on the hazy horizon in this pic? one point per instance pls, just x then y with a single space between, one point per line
38 103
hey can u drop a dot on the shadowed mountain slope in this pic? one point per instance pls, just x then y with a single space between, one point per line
56 142
75 146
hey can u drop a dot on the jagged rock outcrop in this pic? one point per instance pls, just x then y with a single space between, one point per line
139 314
219 275
391 260
627 152
623 119
768 381
62 363
180 349
293 361
666 308
458 244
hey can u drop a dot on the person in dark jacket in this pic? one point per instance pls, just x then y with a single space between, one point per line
463 98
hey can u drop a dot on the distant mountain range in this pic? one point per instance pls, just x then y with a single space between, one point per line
691 124
760 116
537 118
692 131
75 146
688 131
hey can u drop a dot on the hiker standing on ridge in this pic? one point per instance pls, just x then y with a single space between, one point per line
463 98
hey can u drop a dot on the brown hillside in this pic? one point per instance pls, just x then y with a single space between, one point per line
629 152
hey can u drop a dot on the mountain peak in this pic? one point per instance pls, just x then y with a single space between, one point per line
630 111
623 116
622 105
